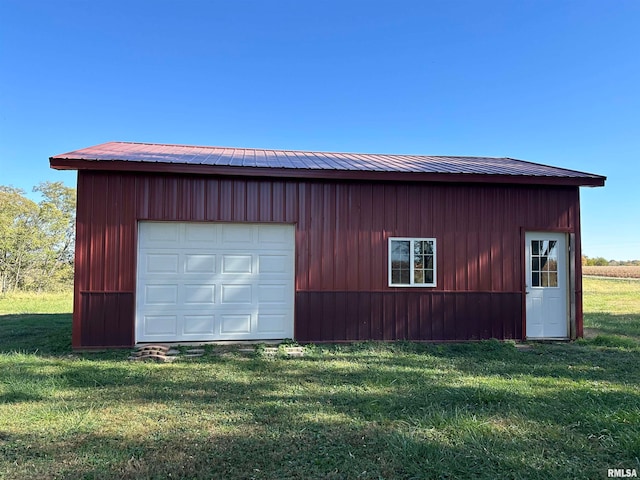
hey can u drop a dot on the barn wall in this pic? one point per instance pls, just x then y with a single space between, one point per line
341 250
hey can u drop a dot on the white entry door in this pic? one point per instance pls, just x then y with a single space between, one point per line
214 281
547 283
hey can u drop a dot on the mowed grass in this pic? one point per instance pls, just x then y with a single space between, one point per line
370 410
612 310
36 322
16 303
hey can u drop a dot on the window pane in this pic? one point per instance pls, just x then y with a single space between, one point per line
400 251
544 247
553 250
429 262
552 265
535 265
397 265
400 277
535 250
418 276
417 248
545 279
428 276
553 279
543 263
535 279
418 261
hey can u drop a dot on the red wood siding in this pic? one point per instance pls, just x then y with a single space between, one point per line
341 250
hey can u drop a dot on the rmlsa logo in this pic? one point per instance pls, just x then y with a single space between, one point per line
622 473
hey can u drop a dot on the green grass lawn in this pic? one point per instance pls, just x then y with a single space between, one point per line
39 323
402 410
612 309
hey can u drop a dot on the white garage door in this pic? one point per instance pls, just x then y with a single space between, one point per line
214 281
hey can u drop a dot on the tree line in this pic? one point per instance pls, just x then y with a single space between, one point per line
603 262
37 238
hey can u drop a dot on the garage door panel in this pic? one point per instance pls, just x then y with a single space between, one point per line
237 263
235 236
237 294
202 326
274 263
160 325
200 294
161 263
201 282
200 263
162 234
197 234
273 235
271 323
161 295
235 324
273 293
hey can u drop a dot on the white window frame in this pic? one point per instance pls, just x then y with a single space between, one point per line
411 262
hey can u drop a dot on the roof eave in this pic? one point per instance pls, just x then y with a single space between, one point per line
60 163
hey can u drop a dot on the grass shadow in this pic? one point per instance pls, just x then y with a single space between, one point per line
330 451
599 323
42 334
394 414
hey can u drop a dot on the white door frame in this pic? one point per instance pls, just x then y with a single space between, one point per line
547 285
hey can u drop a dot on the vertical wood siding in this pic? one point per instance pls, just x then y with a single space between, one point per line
341 250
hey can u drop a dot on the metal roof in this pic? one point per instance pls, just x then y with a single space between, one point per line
268 162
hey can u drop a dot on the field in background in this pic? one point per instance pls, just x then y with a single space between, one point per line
613 271
369 410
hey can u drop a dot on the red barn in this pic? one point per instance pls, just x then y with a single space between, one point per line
184 243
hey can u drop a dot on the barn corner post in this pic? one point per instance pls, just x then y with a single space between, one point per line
136 266
577 275
79 260
573 300
523 283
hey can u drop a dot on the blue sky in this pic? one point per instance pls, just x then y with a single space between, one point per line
554 82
